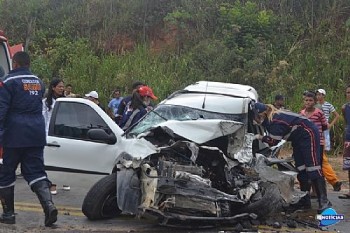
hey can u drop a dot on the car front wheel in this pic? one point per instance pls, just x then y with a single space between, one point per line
268 201
101 200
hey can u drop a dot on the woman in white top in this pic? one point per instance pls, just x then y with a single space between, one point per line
55 90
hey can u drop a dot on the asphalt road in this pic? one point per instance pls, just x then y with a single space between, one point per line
30 217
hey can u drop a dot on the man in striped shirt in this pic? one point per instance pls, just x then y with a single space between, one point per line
328 110
318 118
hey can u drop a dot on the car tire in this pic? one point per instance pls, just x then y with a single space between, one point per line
101 200
269 202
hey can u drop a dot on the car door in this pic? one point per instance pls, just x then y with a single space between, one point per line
68 145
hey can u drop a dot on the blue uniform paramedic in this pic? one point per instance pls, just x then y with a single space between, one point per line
305 139
22 135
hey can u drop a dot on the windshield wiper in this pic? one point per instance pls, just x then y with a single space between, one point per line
159 115
132 127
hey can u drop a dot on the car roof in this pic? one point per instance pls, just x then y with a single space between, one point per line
232 89
211 102
227 98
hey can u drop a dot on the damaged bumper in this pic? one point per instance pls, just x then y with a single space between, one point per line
189 182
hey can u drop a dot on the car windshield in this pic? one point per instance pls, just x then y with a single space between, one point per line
181 113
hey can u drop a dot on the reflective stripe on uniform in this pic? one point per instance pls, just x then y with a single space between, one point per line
311 169
276 137
285 137
2 187
37 179
308 169
20 76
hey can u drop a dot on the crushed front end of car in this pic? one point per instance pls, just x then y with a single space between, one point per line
204 171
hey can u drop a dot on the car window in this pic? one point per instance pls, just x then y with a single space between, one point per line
181 113
73 120
4 61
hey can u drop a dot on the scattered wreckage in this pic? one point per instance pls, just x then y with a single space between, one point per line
202 169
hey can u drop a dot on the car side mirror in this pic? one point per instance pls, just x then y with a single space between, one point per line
101 135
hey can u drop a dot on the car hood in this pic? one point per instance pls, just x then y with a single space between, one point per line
200 131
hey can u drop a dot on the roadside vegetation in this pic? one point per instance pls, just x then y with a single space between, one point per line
285 46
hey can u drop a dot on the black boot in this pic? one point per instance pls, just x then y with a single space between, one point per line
42 190
321 191
304 202
8 205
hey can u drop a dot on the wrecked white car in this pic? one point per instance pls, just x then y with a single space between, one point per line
191 159
187 182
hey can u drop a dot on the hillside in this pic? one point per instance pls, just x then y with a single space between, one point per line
276 46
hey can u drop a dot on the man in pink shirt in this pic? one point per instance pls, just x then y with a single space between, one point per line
318 118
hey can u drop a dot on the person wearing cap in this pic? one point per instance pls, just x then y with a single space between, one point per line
328 110
137 107
93 96
305 140
126 100
279 102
